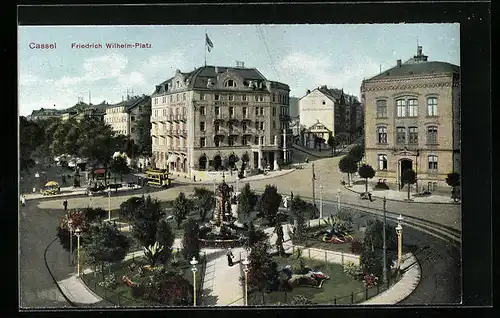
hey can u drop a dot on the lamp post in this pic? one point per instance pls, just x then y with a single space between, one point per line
78 233
399 232
194 269
70 226
320 201
339 192
384 248
109 204
245 263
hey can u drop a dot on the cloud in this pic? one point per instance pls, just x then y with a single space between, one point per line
106 66
305 71
28 79
133 79
160 67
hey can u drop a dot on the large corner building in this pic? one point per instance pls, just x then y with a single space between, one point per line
214 113
412 121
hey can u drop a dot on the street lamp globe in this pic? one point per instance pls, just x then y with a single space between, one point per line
400 218
78 231
399 228
245 262
193 262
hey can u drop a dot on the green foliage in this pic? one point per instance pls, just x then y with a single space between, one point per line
339 224
143 128
32 137
247 200
260 269
153 252
254 235
94 214
191 240
181 208
353 270
299 208
300 300
165 237
366 172
453 180
348 164
110 282
270 202
129 209
374 236
357 152
169 288
119 165
333 142
204 201
106 244
145 221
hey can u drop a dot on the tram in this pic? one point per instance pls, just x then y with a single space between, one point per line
158 178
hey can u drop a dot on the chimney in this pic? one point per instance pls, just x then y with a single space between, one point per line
308 91
398 62
419 50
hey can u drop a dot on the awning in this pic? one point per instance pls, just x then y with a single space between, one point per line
52 184
99 171
171 158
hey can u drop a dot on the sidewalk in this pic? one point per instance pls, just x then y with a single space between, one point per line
401 195
77 291
232 178
69 191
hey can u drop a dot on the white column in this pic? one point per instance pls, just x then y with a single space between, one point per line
284 146
275 163
260 159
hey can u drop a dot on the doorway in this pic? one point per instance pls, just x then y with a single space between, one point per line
404 164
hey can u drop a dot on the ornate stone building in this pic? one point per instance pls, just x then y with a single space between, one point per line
124 116
201 118
412 121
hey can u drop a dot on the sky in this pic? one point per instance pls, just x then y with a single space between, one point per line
303 56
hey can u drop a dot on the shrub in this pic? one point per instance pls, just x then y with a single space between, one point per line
109 282
370 280
381 186
356 246
138 291
352 270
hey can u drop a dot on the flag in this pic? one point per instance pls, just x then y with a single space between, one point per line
208 43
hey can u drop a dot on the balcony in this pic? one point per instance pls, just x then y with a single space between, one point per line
181 117
182 132
169 131
233 131
220 131
170 117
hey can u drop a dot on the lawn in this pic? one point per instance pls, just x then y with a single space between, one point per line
342 247
122 294
339 285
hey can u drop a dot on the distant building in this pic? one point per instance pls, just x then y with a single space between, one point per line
44 113
124 116
294 106
412 120
324 112
214 113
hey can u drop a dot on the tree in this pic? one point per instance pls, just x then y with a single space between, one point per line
366 172
259 267
247 200
94 214
245 158
145 222
279 239
106 244
129 209
270 203
333 142
191 240
169 288
348 165
357 152
298 208
119 165
373 238
181 208
165 237
204 201
255 235
31 138
409 177
453 180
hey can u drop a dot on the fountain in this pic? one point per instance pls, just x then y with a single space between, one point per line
221 230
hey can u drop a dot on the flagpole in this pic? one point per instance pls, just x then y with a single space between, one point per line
205 41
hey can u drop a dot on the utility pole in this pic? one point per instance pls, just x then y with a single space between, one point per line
313 184
385 246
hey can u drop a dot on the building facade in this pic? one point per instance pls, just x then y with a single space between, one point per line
412 121
124 116
44 113
213 114
326 112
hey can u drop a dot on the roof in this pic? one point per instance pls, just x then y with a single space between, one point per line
422 68
200 76
334 94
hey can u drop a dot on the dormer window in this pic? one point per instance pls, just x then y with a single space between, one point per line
230 83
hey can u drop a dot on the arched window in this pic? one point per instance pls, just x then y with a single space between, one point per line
382 162
230 83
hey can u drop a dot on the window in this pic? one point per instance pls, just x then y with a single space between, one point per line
217 97
257 125
171 98
132 118
230 97
256 98
433 163
203 142
244 126
230 141
183 96
382 162
274 97
432 135
262 110
217 110
244 97
412 108
413 135
216 127
244 140
230 83
177 84
261 98
274 124
231 111
432 106
244 112
177 97
400 135
262 140
202 110
202 126
381 109
256 140
261 125
274 111
401 108
132 130
216 141
382 135
256 110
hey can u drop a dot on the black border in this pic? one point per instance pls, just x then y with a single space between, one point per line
475 20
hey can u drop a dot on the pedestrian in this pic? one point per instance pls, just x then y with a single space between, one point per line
370 197
291 195
230 257
65 205
23 200
307 159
